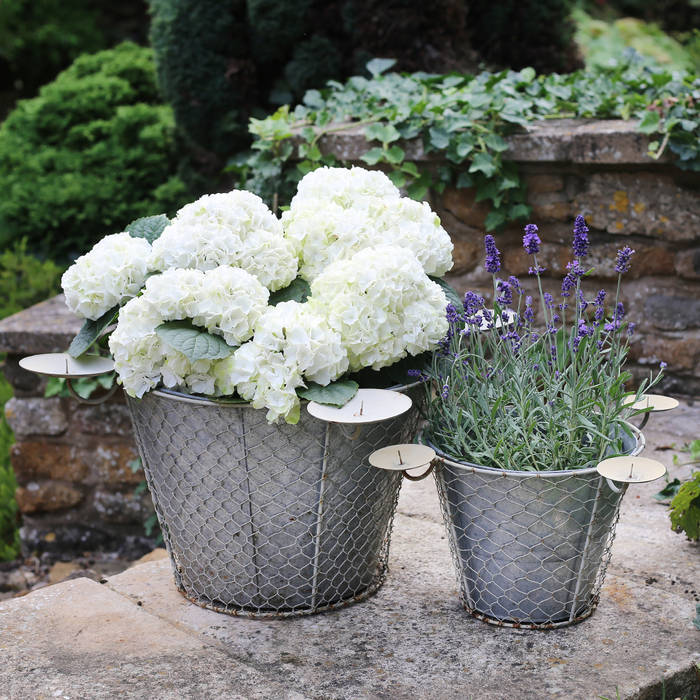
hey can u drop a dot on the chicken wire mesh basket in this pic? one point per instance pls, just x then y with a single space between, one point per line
530 548
268 520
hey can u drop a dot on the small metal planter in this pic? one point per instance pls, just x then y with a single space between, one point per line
267 520
530 548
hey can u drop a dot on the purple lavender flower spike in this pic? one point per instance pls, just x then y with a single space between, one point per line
622 263
663 365
493 256
506 296
548 300
445 391
472 303
567 285
531 241
580 244
631 328
451 314
515 283
537 270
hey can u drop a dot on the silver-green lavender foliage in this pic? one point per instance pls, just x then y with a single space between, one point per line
505 393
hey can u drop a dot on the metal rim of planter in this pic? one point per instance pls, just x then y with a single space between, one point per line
340 494
577 614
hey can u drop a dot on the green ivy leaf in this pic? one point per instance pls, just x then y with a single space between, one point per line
334 394
494 219
395 155
464 179
668 491
91 331
377 66
496 143
419 189
483 163
373 156
397 177
148 227
650 122
194 343
298 290
386 133
439 138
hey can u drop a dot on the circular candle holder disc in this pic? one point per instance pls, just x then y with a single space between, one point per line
654 402
631 470
402 457
61 364
367 406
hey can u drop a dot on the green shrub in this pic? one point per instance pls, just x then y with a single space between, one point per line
685 508
93 151
204 72
9 535
26 280
38 38
518 34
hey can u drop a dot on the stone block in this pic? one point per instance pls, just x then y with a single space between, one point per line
550 206
123 507
36 416
47 496
37 459
688 263
672 312
109 418
22 381
682 354
111 464
537 184
463 205
46 327
640 203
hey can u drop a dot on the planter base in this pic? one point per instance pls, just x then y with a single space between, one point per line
268 520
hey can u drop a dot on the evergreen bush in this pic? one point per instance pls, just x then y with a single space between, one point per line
38 38
204 71
94 150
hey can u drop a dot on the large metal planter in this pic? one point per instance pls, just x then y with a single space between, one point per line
267 520
530 548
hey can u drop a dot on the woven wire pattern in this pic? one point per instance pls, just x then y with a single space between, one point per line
268 520
530 550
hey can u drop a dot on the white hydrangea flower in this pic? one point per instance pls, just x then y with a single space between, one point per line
114 270
382 304
323 231
232 228
292 345
226 301
343 186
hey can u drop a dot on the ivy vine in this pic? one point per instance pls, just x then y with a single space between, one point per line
465 117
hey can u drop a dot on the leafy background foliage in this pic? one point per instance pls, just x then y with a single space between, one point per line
466 117
94 150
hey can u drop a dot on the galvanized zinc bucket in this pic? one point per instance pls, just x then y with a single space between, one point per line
267 520
530 548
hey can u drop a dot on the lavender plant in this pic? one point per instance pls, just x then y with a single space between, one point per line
504 392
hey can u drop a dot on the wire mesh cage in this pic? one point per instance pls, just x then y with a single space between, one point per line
268 520
530 548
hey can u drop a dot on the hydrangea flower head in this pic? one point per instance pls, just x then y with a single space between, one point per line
231 228
113 271
382 304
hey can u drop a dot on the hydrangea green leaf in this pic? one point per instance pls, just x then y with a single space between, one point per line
194 343
91 331
148 227
298 290
333 394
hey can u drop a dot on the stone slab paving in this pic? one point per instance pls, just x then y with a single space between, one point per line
136 636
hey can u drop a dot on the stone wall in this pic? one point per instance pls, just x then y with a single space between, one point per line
599 169
76 488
